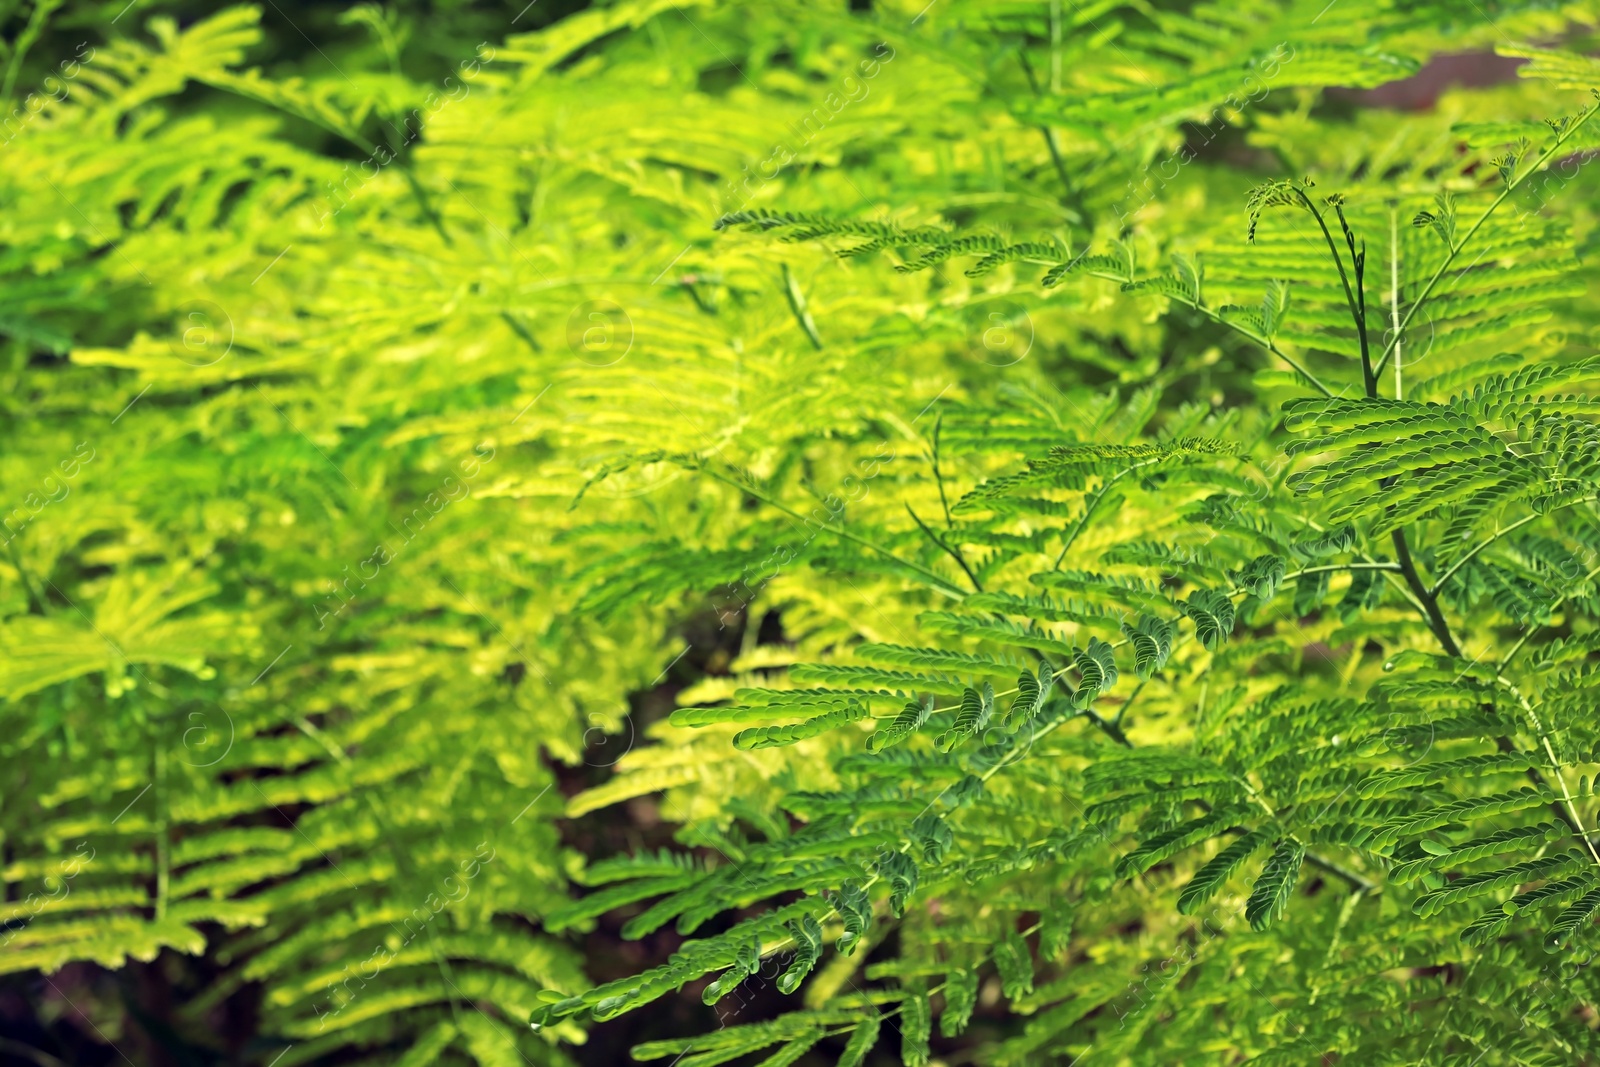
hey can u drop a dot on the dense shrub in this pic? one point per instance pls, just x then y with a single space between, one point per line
1111 501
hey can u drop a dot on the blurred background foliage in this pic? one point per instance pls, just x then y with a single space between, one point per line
346 350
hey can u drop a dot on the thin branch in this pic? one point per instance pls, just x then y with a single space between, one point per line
797 304
1382 565
1430 602
1069 196
1214 316
1555 765
1088 510
1099 496
1045 731
1356 881
35 603
353 137
1427 600
954 553
1394 296
1361 884
522 331
30 33
401 856
1394 579
1109 728
1126 704
1427 290
1492 538
1357 306
939 582
1554 607
938 477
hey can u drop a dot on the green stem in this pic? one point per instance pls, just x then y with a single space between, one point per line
797 304
354 138
1069 197
1382 565
1555 607
1100 495
1088 511
1427 599
402 857
938 477
936 580
1356 881
163 837
1450 258
1555 765
35 605
1264 342
1126 704
1394 297
522 332
1357 307
952 551
1430 602
1361 885
30 33
1492 538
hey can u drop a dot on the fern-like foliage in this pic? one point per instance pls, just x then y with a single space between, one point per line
1187 595
299 637
1312 674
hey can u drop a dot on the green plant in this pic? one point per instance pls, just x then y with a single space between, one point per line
1311 665
378 410
302 380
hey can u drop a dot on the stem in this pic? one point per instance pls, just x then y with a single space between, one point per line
1088 510
1357 307
1126 704
1113 730
30 33
954 553
163 842
353 137
1110 729
522 331
1429 601
797 304
402 857
1555 765
1399 583
1045 732
938 582
944 502
421 195
1382 565
1553 609
1394 297
1361 885
1356 881
1511 187
35 605
1264 342
1492 538
1069 191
